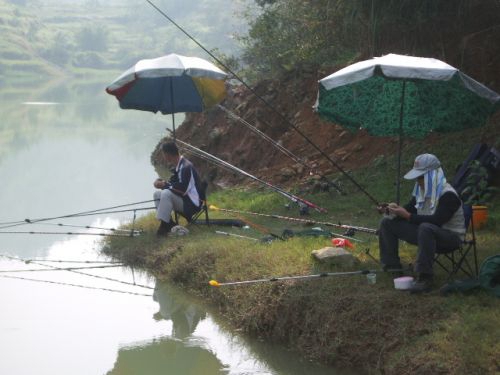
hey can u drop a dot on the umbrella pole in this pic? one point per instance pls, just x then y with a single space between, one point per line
172 103
400 145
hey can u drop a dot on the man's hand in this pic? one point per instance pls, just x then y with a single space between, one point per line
159 183
382 208
394 209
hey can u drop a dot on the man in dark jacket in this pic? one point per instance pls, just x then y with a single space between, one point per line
182 193
432 219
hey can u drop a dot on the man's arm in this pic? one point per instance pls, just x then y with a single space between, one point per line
448 204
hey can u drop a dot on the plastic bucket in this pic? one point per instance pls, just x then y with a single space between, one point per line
479 216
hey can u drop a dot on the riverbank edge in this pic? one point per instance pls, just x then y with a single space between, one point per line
341 322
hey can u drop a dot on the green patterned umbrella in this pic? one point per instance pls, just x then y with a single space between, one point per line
404 96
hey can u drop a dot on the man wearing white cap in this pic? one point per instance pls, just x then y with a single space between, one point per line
433 219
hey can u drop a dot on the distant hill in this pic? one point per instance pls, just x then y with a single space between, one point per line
79 37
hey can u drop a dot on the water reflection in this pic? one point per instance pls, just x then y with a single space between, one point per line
174 306
166 356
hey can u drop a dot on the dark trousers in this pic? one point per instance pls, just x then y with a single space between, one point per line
428 238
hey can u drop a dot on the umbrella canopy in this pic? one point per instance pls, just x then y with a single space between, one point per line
170 84
404 95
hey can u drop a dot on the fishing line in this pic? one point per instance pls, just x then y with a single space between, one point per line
268 105
64 269
288 195
276 144
83 273
76 285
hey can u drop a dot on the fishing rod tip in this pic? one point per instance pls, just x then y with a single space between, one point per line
214 283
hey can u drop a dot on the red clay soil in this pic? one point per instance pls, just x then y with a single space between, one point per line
218 134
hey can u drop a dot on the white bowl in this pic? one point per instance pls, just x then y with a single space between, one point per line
403 283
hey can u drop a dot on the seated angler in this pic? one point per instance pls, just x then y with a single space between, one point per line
433 219
180 194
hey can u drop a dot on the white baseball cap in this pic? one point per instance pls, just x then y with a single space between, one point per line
423 163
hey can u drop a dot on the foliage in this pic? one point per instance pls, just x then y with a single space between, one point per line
294 33
92 38
477 191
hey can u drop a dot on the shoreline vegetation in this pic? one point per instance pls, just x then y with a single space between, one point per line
340 321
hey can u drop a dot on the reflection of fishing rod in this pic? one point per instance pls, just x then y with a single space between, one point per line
277 145
267 104
284 278
288 195
306 221
76 285
78 272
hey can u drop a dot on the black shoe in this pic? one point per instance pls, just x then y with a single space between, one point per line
424 284
164 228
396 268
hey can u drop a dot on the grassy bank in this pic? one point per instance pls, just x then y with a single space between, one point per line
338 320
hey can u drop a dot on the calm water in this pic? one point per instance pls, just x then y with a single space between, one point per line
68 148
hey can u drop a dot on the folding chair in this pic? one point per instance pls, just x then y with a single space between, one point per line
203 209
453 261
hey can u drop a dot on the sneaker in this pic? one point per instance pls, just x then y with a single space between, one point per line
164 228
424 284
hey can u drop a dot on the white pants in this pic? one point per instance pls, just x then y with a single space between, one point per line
166 202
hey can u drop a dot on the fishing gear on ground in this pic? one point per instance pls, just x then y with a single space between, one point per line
285 278
351 230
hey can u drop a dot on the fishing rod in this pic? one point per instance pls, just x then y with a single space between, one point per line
76 285
135 234
267 104
284 278
236 235
64 269
81 273
306 221
27 261
288 195
280 147
85 213
89 227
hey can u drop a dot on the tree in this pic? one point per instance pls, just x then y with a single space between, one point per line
92 38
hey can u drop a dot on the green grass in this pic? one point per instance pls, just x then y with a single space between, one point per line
337 320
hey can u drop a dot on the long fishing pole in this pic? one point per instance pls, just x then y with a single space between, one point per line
236 235
284 278
27 261
308 140
84 213
81 273
76 285
64 269
306 221
276 144
288 195
88 227
71 233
